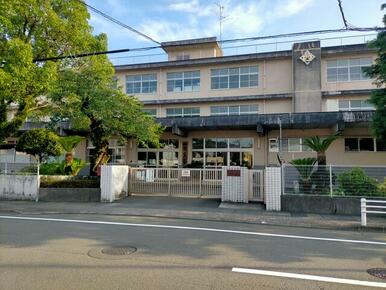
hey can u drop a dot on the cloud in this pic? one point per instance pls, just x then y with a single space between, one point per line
289 8
200 18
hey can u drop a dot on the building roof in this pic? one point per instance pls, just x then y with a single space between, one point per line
189 42
352 48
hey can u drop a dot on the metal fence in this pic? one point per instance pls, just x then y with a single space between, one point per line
19 168
256 183
176 181
335 180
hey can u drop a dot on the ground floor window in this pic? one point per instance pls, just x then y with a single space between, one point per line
217 152
363 144
288 145
164 156
117 151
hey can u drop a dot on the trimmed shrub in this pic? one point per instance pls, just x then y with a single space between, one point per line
69 182
357 183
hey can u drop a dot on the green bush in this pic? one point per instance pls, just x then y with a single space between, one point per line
357 183
69 182
57 168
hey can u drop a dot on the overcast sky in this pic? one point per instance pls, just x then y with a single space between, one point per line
166 20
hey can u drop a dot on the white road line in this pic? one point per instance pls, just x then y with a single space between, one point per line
194 229
310 277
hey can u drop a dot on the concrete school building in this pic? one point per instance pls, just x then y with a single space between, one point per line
233 110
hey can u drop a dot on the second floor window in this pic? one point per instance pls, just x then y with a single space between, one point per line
183 112
236 77
187 81
344 70
141 84
355 105
151 112
234 110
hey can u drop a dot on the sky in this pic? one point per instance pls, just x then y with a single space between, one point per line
167 20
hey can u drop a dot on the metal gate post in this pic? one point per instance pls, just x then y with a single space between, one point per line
200 182
169 179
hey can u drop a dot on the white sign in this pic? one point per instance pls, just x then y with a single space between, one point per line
185 173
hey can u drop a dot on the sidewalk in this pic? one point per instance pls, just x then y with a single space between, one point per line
189 208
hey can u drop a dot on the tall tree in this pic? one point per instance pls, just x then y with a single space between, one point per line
35 29
378 71
86 94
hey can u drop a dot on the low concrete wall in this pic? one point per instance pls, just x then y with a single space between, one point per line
69 194
19 187
321 204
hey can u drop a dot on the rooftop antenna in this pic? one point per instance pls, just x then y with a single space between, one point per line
221 16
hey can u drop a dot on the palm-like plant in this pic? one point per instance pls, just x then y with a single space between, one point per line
320 146
69 143
305 167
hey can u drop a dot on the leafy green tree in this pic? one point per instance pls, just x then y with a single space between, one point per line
40 143
378 71
35 29
86 95
320 145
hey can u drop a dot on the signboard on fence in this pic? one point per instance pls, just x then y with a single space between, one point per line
233 172
185 173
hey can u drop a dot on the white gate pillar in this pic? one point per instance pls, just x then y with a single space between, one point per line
235 184
114 182
272 186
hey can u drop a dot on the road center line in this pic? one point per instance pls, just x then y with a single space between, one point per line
309 277
194 229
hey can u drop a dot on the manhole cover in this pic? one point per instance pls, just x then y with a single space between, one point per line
378 272
112 253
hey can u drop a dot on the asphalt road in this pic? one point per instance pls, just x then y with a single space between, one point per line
71 252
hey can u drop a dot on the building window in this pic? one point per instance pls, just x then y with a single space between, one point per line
234 110
343 70
355 105
183 56
217 152
151 112
141 84
183 112
117 151
164 156
288 145
237 77
364 144
184 81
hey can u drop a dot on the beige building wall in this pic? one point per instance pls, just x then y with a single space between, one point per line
274 78
265 106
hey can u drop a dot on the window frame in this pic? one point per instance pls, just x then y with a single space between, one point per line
349 67
184 78
227 111
184 112
350 106
358 139
142 81
219 75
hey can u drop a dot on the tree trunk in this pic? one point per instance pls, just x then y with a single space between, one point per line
321 157
100 141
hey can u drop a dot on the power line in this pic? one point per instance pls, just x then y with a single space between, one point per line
95 53
295 34
350 29
116 21
342 13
